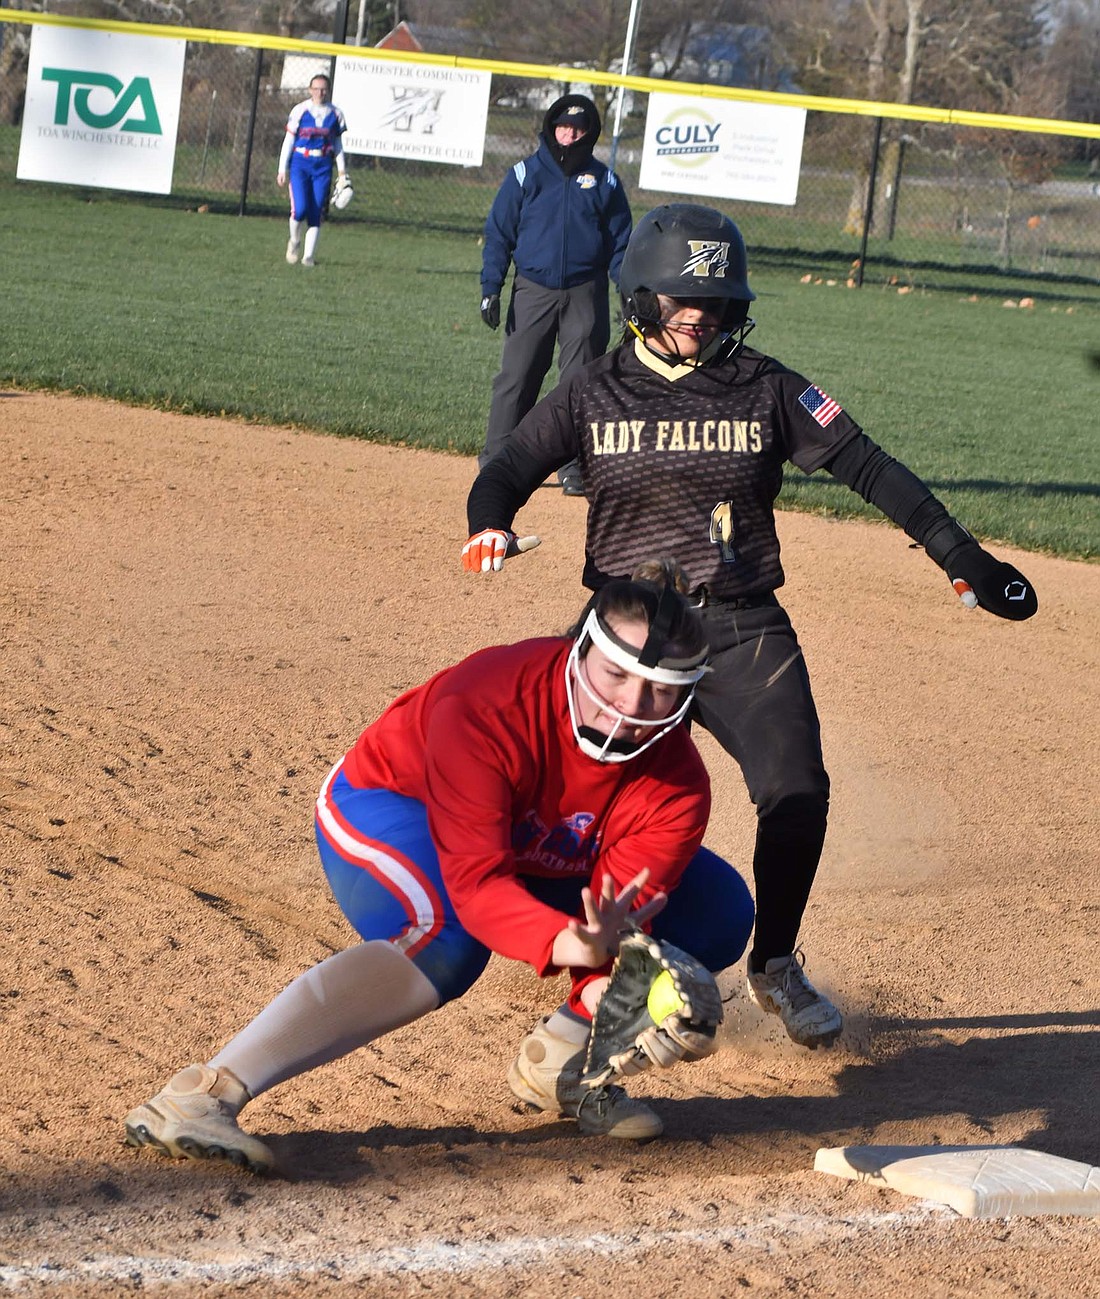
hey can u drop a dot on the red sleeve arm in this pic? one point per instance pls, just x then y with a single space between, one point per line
676 818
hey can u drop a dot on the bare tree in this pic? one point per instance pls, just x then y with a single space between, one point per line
1073 59
15 47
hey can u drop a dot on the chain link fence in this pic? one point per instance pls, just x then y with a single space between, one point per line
953 205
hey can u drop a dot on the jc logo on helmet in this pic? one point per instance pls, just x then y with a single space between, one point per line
77 88
708 259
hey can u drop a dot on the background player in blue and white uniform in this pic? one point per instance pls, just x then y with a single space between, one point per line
312 144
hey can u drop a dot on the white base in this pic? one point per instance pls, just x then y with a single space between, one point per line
975 1181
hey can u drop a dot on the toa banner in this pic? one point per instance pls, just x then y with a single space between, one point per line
101 109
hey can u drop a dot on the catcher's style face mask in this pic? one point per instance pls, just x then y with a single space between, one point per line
724 324
647 663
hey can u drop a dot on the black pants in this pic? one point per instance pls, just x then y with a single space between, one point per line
756 702
577 319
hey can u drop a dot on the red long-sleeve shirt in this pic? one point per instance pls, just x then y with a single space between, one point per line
488 747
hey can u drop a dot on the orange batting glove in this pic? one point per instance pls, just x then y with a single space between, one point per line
486 551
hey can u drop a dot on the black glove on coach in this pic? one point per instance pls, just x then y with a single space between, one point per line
490 309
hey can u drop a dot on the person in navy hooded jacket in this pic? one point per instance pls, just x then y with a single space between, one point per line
562 219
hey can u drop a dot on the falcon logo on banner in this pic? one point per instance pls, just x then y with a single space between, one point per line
406 110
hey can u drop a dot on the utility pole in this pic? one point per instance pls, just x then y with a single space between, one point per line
628 54
339 32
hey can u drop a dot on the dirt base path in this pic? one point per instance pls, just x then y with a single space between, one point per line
197 619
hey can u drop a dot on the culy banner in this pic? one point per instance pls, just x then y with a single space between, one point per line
102 109
413 110
722 148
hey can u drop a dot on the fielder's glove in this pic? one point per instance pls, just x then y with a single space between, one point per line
342 193
626 1039
489 549
490 309
998 587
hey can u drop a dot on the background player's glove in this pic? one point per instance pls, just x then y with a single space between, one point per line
490 309
997 586
638 1025
342 193
489 549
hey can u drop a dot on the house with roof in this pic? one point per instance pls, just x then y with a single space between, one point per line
725 54
424 38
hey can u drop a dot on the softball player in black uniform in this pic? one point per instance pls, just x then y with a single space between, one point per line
682 433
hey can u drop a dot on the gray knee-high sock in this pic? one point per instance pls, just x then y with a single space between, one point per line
343 1003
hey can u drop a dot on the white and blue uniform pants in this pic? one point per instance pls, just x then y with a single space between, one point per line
309 180
383 869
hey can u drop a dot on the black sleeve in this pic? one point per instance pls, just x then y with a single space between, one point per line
544 440
501 488
889 486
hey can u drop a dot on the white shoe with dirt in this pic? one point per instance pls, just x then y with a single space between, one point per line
195 1117
782 989
547 1076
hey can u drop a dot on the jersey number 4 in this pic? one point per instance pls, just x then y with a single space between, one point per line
721 530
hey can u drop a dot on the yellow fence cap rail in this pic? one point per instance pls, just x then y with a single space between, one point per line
546 72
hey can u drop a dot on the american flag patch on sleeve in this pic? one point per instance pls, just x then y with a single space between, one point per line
820 405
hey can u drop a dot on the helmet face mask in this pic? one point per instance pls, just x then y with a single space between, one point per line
686 252
645 662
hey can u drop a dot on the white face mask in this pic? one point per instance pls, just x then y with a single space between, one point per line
610 747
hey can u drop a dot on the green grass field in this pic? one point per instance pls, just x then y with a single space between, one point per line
148 304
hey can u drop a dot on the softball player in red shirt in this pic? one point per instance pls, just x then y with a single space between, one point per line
533 801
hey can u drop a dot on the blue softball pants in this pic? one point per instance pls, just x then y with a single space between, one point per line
383 869
309 180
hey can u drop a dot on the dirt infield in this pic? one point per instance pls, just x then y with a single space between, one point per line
198 617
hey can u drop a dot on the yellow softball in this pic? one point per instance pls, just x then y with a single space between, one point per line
663 1000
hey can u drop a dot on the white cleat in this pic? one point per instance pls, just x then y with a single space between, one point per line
292 251
782 989
547 1076
195 1117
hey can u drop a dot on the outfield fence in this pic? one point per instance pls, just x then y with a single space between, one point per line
886 193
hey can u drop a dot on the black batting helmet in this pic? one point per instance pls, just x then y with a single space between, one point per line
686 251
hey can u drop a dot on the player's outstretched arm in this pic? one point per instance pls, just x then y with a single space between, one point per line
607 916
979 578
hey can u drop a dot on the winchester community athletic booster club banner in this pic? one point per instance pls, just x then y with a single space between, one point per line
413 110
102 109
722 148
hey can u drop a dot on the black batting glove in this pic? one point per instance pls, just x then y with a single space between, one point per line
490 309
998 587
